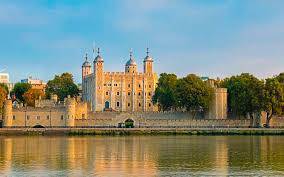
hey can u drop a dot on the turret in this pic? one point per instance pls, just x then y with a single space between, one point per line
70 116
8 113
86 68
148 63
98 62
131 66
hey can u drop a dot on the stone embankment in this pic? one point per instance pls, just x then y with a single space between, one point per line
141 131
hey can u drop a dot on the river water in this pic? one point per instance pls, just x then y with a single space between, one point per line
142 156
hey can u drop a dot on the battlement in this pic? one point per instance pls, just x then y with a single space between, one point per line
114 73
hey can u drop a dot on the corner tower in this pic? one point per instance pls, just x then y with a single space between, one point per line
148 63
7 113
98 82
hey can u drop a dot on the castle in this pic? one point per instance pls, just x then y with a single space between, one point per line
129 91
113 99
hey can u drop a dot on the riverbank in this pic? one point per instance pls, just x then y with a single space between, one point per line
139 131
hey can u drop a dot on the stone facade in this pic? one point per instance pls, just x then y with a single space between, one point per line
129 91
74 113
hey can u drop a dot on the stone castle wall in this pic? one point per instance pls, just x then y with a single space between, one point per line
76 114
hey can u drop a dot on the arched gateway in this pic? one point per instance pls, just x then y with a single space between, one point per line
38 126
129 123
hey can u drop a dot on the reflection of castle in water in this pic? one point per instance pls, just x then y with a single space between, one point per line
138 156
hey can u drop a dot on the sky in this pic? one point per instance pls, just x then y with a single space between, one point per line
214 38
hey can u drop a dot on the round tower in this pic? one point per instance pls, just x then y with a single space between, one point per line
148 63
8 114
70 111
131 66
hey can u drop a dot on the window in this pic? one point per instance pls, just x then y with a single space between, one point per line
28 117
47 117
14 117
139 86
62 117
109 84
139 93
117 93
149 93
149 104
105 85
106 93
128 85
115 85
38 117
149 86
139 104
117 104
128 93
128 104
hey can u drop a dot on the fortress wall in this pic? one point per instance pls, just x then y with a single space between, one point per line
179 119
18 117
31 118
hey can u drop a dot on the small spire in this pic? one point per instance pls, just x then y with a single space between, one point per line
94 47
147 52
130 52
98 51
86 56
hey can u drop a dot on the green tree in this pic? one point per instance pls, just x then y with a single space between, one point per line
62 86
194 94
280 78
20 89
246 95
165 93
274 95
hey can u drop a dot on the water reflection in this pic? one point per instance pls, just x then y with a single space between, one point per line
142 155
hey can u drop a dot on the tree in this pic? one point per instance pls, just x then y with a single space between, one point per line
31 95
62 86
194 94
246 95
274 95
165 93
280 78
3 97
4 86
20 89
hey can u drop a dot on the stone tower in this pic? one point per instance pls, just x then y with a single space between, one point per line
131 66
86 70
97 102
70 111
218 107
86 67
8 113
148 63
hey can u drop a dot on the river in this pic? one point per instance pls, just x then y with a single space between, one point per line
142 156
